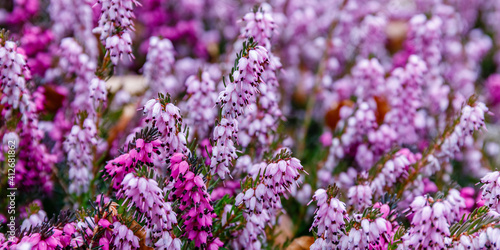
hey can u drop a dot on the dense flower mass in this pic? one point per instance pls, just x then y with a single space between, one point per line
321 124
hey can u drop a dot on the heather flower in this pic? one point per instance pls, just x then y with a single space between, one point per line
147 198
34 220
281 175
484 239
159 66
37 241
115 26
34 163
123 237
262 201
409 83
361 122
430 223
424 38
167 242
78 146
246 80
89 91
74 17
456 204
260 122
471 119
393 169
225 133
191 191
250 236
259 25
360 196
491 190
202 95
373 36
14 73
369 234
167 119
142 153
329 220
368 77
34 166
98 93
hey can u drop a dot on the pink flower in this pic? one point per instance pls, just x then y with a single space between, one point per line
326 139
194 199
116 15
491 190
493 87
259 25
328 220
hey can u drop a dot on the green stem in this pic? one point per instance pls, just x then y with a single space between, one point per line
316 88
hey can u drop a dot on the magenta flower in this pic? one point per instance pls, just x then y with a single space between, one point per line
190 190
143 153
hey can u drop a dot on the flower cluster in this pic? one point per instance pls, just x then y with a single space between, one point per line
329 220
201 91
140 153
259 25
389 107
123 237
261 201
225 134
74 17
392 170
159 66
14 72
147 198
35 160
431 221
115 27
166 117
79 146
491 190
89 91
191 191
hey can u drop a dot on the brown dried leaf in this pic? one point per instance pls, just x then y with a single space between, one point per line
53 99
128 113
383 107
141 233
301 243
332 116
284 228
396 35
